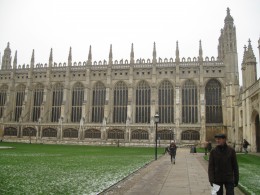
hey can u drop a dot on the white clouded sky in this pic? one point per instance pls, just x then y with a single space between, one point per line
59 24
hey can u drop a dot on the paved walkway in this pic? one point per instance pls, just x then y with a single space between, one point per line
187 177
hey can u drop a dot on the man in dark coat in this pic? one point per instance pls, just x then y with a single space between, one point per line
223 167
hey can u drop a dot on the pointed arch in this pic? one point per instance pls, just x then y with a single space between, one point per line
213 102
10 131
49 132
143 102
120 102
77 102
93 134
190 135
115 134
29 131
98 102
189 102
70 133
166 102
140 134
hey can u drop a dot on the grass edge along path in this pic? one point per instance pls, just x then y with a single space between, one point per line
67 169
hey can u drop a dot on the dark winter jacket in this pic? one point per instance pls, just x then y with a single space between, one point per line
223 165
173 149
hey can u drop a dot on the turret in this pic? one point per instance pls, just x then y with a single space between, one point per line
200 52
32 60
50 59
15 60
70 58
89 62
227 49
177 53
110 61
6 60
249 66
243 68
132 55
154 53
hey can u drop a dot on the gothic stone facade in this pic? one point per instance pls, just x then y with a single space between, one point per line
248 103
109 101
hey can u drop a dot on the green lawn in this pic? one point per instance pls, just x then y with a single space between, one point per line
249 172
67 169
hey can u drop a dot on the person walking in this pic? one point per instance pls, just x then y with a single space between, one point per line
245 145
173 149
223 166
206 147
209 146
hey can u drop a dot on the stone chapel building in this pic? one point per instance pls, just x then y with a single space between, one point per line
114 102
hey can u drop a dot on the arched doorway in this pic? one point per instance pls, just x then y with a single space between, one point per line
257 132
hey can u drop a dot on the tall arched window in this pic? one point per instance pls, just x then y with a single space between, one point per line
20 94
3 91
77 102
143 103
189 102
120 103
166 102
213 102
37 102
99 97
57 98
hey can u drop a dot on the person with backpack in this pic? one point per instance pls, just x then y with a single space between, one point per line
173 149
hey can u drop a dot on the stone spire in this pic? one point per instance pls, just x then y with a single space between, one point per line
228 49
15 60
51 59
249 66
154 52
177 53
70 58
244 56
200 52
6 59
89 62
229 18
132 55
110 55
32 59
250 53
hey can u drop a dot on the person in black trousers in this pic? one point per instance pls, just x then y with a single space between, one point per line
223 167
173 149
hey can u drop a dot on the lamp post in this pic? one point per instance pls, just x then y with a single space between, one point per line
30 135
170 135
156 120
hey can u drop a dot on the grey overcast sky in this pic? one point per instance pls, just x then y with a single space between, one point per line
59 24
